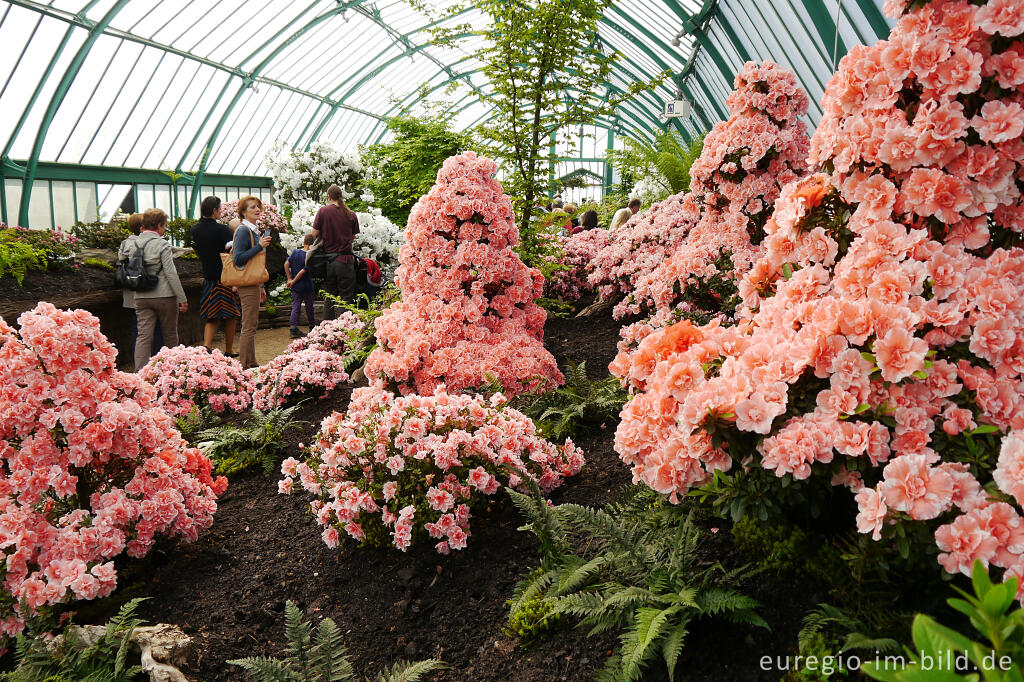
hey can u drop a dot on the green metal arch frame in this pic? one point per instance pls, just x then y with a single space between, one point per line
642 119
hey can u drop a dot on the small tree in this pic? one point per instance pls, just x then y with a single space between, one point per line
548 72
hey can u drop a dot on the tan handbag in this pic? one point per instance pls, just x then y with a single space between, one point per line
254 272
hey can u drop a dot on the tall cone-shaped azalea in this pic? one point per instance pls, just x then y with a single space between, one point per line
467 312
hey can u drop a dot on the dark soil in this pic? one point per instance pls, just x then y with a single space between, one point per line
228 590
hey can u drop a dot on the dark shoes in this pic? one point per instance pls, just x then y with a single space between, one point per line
296 334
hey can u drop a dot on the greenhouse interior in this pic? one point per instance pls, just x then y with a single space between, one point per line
511 340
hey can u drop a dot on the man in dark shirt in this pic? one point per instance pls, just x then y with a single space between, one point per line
210 239
337 225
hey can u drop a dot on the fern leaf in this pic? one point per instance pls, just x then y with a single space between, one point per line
327 660
577 575
265 669
411 672
298 633
671 645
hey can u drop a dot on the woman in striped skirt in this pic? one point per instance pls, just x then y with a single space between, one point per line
211 238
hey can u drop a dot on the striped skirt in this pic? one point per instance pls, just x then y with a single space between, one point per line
219 302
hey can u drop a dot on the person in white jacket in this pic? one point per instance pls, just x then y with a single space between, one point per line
164 301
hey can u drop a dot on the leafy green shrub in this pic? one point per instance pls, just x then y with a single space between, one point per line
641 575
180 230
100 235
580 404
829 631
72 660
259 442
97 263
1002 639
320 657
864 579
405 168
18 257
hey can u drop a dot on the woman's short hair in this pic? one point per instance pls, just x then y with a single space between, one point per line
635 203
135 223
209 206
589 220
153 218
243 205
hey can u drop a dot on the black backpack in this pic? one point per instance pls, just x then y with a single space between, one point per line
131 273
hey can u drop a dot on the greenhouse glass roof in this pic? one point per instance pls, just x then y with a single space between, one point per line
202 87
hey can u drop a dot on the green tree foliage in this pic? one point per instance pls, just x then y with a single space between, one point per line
548 73
404 168
320 657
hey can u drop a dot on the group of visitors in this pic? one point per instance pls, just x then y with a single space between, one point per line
589 219
156 307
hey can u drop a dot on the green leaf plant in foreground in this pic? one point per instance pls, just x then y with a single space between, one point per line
941 654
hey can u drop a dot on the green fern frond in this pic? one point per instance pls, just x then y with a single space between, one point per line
327 659
265 669
411 672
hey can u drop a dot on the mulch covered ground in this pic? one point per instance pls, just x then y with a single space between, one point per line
228 590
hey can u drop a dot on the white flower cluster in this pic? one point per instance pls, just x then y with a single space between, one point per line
379 239
300 175
651 188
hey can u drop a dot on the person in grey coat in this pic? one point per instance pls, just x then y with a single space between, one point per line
163 302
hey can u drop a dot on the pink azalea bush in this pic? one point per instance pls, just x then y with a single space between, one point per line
636 248
884 337
188 378
295 375
92 467
333 336
569 282
270 217
745 162
467 310
397 469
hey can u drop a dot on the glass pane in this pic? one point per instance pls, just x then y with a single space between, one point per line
85 197
64 203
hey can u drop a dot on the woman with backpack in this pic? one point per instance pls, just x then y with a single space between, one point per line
161 297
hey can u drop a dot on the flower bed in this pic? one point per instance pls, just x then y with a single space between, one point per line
394 470
883 347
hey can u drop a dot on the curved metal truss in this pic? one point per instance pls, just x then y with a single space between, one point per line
190 92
